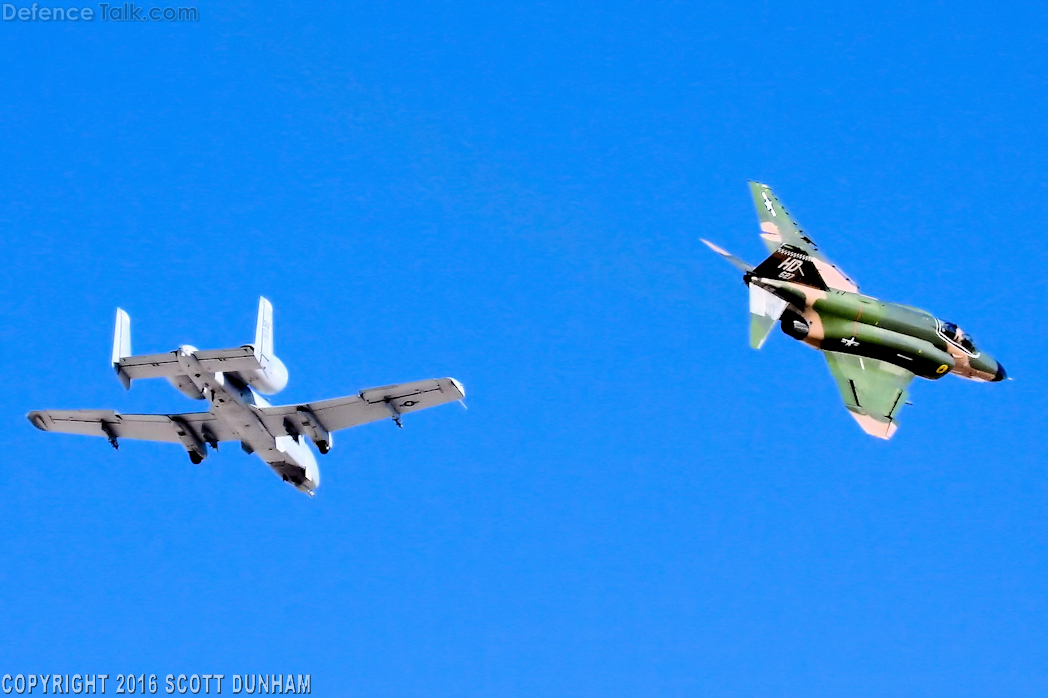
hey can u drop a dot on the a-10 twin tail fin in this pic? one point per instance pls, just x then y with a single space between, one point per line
122 345
255 364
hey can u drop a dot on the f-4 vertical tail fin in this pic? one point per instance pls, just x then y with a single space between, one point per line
122 345
264 330
794 265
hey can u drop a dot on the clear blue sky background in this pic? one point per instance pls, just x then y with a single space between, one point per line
635 503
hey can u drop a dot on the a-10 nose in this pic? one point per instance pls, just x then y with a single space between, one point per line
1001 373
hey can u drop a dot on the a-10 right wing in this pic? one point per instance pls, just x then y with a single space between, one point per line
373 404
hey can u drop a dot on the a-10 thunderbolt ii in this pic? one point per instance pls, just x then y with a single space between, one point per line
233 381
874 348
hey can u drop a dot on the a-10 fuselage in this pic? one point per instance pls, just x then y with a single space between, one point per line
236 405
853 323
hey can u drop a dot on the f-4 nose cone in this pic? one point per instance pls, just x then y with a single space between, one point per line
1001 374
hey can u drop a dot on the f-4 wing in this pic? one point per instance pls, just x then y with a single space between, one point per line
873 391
318 419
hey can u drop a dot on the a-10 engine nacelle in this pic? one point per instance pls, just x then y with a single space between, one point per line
270 379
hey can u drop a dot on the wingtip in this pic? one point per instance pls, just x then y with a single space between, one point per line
713 247
875 427
37 420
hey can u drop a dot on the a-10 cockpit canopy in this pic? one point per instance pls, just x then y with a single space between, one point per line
957 337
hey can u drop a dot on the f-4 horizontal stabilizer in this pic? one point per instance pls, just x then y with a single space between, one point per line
765 310
732 259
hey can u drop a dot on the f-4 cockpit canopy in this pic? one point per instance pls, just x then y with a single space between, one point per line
957 337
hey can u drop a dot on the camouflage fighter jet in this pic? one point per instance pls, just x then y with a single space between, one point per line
874 348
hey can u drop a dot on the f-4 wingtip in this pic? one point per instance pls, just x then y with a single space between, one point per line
875 427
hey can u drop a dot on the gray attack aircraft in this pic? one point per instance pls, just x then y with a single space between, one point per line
874 348
233 381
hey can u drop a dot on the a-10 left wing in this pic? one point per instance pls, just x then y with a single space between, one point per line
314 419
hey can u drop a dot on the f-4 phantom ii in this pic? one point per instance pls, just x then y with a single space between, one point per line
233 381
874 348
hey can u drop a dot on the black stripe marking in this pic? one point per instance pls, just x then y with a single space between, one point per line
895 405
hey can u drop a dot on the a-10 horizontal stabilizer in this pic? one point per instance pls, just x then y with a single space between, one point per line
166 365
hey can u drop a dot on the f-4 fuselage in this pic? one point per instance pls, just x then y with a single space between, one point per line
853 323
873 349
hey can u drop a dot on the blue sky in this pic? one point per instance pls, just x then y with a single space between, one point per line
512 194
